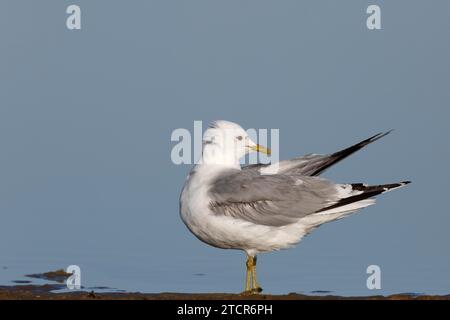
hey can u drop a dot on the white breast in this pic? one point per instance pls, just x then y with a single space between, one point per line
228 232
194 207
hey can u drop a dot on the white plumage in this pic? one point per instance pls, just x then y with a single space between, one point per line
264 208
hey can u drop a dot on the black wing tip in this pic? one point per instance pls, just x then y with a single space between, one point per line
344 153
379 187
380 135
388 187
392 186
363 143
368 191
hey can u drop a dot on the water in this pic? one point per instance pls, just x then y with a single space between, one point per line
86 119
212 270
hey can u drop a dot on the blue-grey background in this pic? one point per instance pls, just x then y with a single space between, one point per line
86 118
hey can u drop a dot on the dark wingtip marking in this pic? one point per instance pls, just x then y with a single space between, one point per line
368 192
365 188
375 137
338 156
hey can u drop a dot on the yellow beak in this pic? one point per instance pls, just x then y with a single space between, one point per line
262 149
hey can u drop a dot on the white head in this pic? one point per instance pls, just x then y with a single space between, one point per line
225 142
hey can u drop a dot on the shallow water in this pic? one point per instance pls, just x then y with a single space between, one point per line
86 118
223 272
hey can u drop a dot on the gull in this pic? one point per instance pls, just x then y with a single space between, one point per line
265 207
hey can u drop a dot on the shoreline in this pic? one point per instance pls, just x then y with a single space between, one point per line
44 292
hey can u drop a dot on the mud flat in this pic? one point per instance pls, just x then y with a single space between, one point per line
44 292
23 290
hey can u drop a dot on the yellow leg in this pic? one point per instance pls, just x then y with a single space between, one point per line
251 282
248 281
256 287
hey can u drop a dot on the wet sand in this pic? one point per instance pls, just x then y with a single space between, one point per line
25 291
44 292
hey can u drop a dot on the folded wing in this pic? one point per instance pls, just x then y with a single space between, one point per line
273 200
282 199
313 164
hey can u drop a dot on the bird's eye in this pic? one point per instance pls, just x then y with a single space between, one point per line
239 138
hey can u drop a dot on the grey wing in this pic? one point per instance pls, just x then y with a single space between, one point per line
273 200
315 164
308 165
